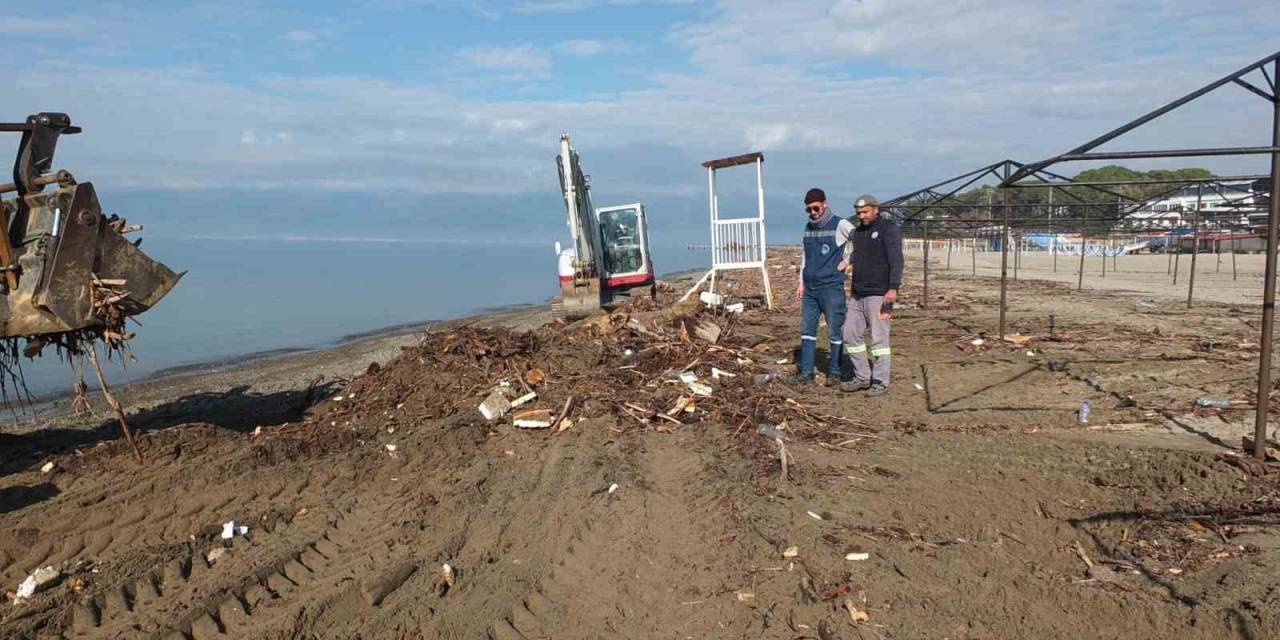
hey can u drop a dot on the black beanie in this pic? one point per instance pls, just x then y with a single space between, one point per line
815 195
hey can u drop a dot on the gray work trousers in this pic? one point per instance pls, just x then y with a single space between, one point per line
864 313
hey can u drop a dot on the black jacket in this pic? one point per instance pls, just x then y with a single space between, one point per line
877 257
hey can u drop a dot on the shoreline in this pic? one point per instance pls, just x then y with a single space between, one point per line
283 370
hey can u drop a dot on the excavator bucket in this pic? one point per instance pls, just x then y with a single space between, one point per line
66 266
579 300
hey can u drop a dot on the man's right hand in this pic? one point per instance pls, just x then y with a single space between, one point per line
799 292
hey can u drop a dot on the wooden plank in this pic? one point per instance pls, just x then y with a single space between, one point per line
746 158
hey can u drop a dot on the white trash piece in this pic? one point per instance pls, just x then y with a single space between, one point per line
230 530
711 299
39 579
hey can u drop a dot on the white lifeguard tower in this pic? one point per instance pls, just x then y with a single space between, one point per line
736 243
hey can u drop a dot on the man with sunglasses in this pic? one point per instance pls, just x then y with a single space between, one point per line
822 282
877 274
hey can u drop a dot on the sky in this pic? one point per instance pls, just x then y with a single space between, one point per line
302 117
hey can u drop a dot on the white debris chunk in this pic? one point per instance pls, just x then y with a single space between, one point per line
857 556
37 581
495 406
700 389
230 529
48 466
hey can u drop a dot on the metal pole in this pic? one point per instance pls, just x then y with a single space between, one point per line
1168 249
1177 262
1084 244
950 241
1106 243
1217 248
1054 232
1004 262
1235 246
924 301
974 253
1195 244
1268 296
1115 255
1017 255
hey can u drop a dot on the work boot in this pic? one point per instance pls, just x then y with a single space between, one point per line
855 385
878 389
832 380
798 380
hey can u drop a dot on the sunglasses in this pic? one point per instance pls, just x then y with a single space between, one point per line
813 208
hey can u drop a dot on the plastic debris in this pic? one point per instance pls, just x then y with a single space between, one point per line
736 307
700 389
48 466
215 554
613 487
524 399
721 373
767 377
1083 415
1216 403
815 516
791 552
688 377
746 596
711 299
919 387
977 342
772 433
856 557
37 581
230 530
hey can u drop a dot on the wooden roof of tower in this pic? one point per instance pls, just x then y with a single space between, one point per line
746 158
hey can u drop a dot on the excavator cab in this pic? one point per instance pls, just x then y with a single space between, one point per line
68 270
624 236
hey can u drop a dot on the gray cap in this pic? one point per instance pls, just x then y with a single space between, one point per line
865 200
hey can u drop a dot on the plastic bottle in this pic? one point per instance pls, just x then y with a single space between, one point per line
1083 416
1216 403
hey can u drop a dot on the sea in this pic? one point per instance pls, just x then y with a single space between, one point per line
246 297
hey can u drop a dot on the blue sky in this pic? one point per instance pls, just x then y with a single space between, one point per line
437 97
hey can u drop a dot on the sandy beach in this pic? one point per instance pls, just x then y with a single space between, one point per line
970 502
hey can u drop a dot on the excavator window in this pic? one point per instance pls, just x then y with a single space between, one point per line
623 249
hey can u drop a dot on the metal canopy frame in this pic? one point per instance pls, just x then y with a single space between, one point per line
1265 89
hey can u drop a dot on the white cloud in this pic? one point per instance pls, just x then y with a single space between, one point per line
581 47
301 37
571 6
521 58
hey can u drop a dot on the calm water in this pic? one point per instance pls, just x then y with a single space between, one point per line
248 296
